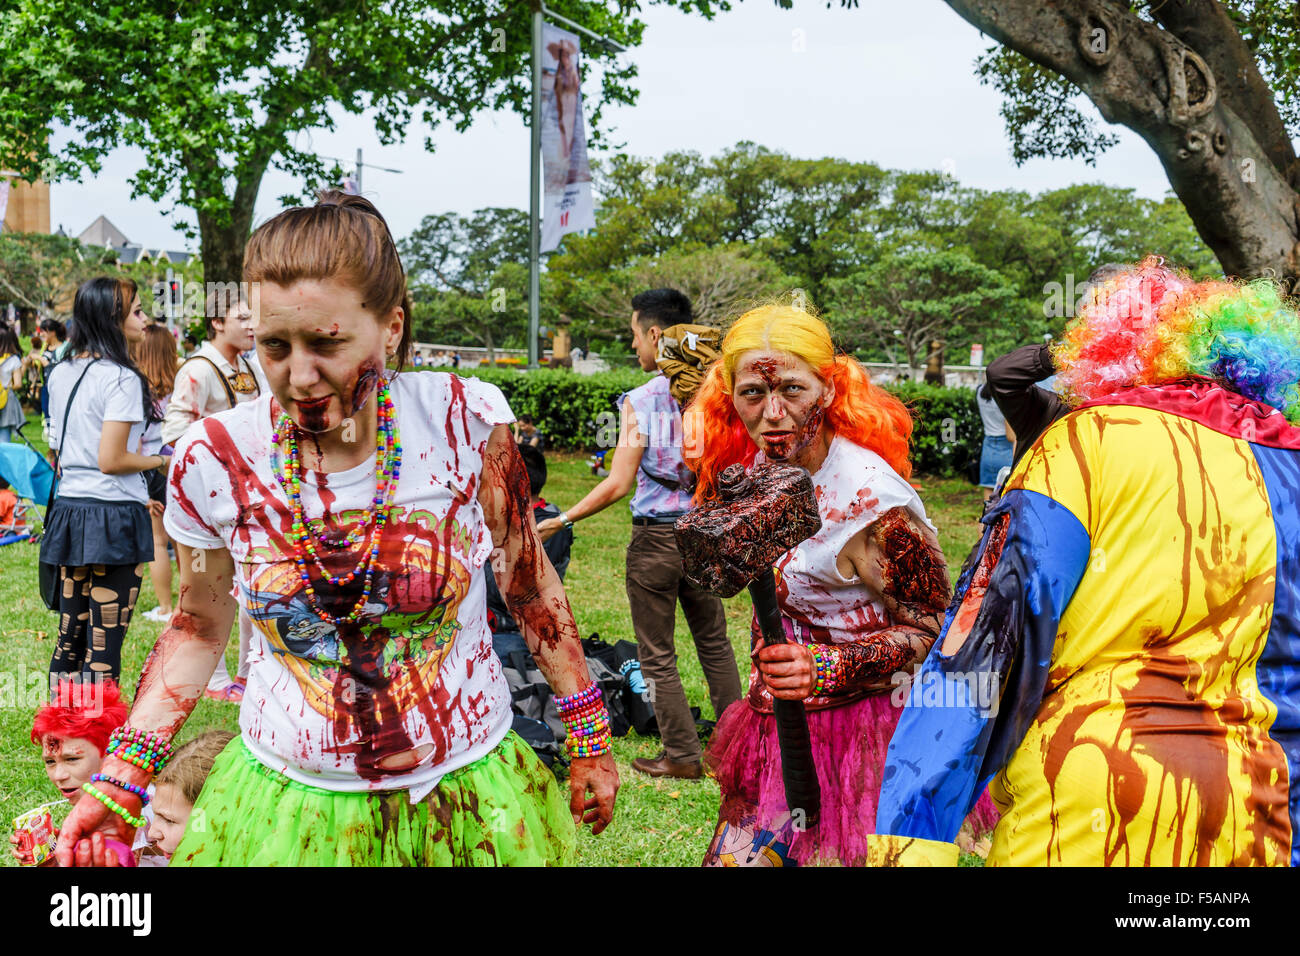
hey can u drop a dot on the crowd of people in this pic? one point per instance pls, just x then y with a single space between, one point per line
1113 680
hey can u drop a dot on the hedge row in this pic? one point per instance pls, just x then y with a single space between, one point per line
947 430
571 410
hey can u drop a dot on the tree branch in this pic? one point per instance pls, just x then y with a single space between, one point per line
1204 25
19 296
1143 77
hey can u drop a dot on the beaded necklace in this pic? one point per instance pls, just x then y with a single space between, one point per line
388 461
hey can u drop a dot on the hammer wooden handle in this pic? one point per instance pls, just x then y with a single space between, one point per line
799 774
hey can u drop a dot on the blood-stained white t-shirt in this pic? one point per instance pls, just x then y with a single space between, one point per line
413 690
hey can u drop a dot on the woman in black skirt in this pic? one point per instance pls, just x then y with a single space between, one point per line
98 531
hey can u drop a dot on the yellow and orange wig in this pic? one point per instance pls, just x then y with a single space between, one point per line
861 412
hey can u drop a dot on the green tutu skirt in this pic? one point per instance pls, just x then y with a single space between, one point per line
505 809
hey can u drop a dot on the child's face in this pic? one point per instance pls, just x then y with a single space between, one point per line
170 814
69 762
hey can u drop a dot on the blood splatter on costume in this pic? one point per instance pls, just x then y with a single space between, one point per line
1125 668
406 700
849 730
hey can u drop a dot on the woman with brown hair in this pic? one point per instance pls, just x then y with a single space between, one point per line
156 357
355 510
97 531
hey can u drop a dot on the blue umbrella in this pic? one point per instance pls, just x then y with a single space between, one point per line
28 473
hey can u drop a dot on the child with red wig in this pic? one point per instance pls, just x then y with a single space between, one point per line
73 732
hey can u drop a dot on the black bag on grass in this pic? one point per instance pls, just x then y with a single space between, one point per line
531 696
539 736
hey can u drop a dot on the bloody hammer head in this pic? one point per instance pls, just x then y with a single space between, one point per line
758 517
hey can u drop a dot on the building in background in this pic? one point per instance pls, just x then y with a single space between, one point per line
103 233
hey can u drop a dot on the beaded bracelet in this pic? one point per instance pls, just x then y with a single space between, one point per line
588 730
139 791
587 721
587 726
579 700
591 710
113 805
827 659
589 746
141 748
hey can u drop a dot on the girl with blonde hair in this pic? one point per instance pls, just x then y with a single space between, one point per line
861 601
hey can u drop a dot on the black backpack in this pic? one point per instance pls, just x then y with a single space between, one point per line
539 736
635 700
531 696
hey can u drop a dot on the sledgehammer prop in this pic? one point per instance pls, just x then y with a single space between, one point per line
728 544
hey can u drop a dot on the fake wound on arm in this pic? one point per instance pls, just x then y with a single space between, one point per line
901 560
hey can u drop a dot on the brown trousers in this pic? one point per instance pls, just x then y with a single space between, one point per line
654 586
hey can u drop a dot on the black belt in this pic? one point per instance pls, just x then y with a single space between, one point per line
652 522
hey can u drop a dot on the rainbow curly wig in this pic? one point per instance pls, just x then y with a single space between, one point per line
862 412
1151 325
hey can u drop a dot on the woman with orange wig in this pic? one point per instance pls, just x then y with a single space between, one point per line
861 601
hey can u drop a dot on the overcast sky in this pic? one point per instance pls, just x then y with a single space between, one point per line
888 83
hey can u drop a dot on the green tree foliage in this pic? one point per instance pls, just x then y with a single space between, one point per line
721 283
902 302
40 273
574 411
1210 86
802 214
213 93
821 222
469 277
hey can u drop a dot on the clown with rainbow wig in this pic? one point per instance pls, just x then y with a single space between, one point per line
1133 606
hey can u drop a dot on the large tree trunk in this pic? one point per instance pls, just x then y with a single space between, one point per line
222 242
222 249
1193 91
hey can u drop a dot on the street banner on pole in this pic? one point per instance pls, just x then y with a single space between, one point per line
4 202
565 170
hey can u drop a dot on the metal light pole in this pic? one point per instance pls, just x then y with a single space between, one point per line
534 186
535 195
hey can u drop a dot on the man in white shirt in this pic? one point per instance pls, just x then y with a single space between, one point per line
216 377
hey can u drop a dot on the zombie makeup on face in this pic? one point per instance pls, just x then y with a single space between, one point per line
779 400
318 343
368 378
70 762
313 416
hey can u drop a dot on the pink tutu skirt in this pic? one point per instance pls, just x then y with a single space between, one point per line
849 745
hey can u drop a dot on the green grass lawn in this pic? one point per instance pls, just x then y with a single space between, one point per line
657 822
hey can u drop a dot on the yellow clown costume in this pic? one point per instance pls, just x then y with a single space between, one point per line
1121 665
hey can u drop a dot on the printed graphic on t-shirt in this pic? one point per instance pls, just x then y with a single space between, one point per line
411 688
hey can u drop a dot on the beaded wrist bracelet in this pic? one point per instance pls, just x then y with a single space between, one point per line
583 698
141 748
139 791
827 659
113 805
587 721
